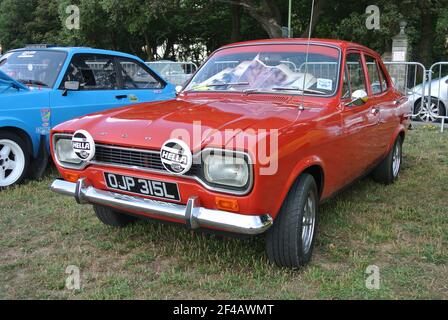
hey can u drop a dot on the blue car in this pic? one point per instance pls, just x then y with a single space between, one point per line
41 87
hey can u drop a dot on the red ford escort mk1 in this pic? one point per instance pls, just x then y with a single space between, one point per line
263 133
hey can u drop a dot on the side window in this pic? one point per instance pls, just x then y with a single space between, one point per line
135 76
383 80
93 72
372 70
346 92
356 76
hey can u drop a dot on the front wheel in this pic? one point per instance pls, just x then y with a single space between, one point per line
290 241
14 159
113 218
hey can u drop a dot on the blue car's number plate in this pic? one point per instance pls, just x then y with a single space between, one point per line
145 187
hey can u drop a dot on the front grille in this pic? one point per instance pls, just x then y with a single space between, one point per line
141 159
112 155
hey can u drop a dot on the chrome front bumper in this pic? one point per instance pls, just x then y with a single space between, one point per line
193 214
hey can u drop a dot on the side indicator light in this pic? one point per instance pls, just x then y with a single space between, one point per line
71 177
227 204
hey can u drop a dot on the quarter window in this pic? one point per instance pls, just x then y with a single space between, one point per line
135 76
93 72
356 76
372 69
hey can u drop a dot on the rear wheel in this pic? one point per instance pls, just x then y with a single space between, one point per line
290 241
388 170
14 159
113 218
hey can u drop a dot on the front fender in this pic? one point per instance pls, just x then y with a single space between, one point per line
12 122
299 168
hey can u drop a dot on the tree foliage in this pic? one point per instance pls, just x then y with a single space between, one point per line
181 29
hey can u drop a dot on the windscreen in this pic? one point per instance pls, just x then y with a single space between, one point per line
271 68
33 68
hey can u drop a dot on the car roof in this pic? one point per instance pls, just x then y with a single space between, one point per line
331 42
74 50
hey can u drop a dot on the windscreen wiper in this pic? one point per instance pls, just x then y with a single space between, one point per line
298 89
33 82
227 84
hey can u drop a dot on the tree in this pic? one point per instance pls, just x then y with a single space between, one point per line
181 29
266 12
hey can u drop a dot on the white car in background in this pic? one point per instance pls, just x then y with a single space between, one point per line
177 73
430 109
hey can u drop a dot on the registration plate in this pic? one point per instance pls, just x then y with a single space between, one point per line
140 186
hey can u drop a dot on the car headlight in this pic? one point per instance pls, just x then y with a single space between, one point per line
64 152
227 170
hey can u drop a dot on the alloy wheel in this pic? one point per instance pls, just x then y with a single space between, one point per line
308 222
12 162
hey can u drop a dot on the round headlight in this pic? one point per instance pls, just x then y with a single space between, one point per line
64 152
227 170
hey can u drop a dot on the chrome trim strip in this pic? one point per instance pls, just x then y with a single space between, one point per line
163 172
193 214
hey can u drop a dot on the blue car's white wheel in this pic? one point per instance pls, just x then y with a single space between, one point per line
13 160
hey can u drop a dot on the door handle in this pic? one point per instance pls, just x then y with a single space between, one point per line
399 101
120 97
375 110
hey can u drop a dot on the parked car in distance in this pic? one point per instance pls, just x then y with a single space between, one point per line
177 73
262 134
41 87
429 109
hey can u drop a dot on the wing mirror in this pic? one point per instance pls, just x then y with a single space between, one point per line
359 97
178 89
70 86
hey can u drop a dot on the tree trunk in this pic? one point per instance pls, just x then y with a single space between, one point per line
318 10
236 23
148 47
428 29
267 15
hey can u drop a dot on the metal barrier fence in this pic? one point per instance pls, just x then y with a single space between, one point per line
177 73
437 93
407 78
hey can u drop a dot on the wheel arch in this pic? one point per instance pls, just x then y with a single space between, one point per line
399 132
23 135
317 172
311 165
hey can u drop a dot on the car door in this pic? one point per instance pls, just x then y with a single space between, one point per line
358 121
140 84
99 88
382 102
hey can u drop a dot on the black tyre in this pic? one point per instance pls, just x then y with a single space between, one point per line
388 170
113 218
427 112
290 241
14 159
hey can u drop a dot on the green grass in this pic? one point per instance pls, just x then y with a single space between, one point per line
403 229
